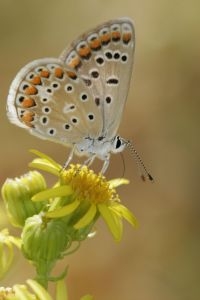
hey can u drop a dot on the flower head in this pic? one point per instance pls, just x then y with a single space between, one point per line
81 197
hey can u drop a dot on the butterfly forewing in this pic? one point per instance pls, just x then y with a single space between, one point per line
103 58
52 102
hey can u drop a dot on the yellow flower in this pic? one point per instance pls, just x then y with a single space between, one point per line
83 196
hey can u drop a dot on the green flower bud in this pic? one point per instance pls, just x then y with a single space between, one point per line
43 242
17 194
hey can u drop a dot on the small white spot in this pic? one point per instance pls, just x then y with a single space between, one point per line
124 58
99 60
126 27
51 131
44 120
52 66
104 31
115 27
92 37
94 73
79 46
49 90
69 108
69 88
116 55
74 120
83 97
30 76
91 117
44 99
55 85
46 109
40 69
67 126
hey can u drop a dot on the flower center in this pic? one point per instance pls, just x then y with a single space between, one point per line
87 185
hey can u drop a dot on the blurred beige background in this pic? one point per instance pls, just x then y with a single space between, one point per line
161 259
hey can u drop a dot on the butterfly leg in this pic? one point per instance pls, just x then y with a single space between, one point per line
90 160
69 158
105 164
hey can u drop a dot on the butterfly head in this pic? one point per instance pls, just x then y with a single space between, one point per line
118 144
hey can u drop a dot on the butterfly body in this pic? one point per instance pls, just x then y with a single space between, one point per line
78 99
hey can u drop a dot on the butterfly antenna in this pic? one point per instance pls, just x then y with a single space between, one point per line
142 169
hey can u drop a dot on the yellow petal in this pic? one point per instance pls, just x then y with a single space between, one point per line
45 157
63 190
63 211
125 213
87 218
110 219
45 165
117 182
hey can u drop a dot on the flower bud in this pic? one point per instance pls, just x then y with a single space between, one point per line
17 194
44 240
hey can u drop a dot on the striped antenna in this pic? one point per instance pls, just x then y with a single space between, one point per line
142 169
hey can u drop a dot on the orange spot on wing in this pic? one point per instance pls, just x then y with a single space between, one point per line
75 62
59 72
31 90
95 44
36 80
105 38
45 74
28 102
27 118
116 35
84 52
126 37
71 74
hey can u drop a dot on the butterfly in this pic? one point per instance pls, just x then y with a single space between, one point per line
78 99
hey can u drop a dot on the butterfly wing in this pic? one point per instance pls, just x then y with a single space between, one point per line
49 100
103 58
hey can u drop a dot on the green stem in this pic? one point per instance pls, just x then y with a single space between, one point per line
43 270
